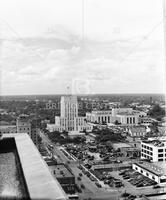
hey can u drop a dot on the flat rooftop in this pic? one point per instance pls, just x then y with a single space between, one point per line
158 168
127 113
121 145
40 182
60 171
155 142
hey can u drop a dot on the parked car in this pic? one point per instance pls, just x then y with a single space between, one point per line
98 184
82 186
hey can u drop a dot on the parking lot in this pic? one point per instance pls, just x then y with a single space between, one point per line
137 179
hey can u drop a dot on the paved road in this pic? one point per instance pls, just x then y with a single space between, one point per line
91 190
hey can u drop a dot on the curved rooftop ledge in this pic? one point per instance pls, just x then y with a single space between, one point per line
40 183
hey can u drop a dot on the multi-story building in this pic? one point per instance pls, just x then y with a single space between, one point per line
69 119
145 121
99 116
126 116
34 176
153 150
24 125
8 129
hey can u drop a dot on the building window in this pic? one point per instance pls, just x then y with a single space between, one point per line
160 159
160 155
147 174
160 150
133 120
136 168
141 171
153 177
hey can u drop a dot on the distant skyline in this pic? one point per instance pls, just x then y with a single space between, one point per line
90 46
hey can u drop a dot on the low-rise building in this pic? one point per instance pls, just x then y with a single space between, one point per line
64 176
137 131
154 171
145 121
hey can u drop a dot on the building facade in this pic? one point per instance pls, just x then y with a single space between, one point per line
8 129
154 150
69 119
24 125
99 116
137 131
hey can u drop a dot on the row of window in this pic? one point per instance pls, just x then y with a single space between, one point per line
102 119
161 159
130 120
161 150
161 155
148 152
146 156
147 147
147 174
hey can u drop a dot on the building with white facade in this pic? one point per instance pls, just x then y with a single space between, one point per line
137 131
69 119
99 116
154 150
154 171
126 116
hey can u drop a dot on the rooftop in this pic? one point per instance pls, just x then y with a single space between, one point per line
60 171
158 168
155 142
126 113
40 183
120 145
138 129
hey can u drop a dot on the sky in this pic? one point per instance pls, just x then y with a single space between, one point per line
87 46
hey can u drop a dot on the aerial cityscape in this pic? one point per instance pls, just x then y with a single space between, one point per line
82 100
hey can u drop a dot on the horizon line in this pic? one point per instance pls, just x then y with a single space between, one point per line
63 94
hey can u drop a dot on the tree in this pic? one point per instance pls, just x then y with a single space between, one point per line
157 112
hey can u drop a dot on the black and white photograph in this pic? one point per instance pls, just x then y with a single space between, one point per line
82 99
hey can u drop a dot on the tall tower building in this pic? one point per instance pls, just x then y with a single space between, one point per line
69 119
69 107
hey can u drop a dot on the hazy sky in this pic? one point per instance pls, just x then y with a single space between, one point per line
93 46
